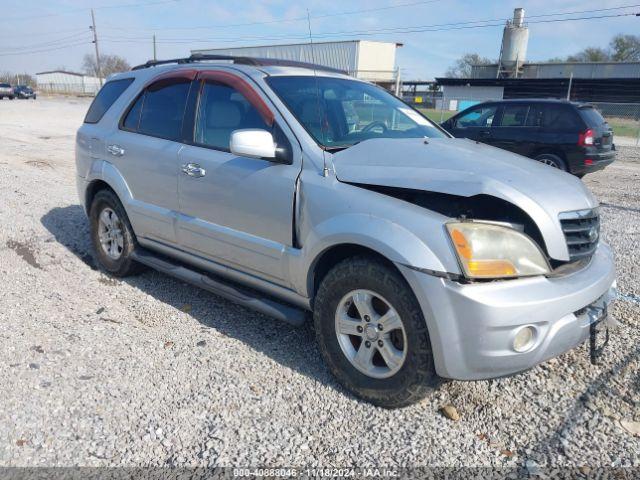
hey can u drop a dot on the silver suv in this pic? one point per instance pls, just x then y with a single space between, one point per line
291 189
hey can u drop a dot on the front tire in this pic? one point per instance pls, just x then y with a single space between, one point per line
372 333
112 237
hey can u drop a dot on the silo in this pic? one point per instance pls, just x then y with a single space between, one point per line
514 44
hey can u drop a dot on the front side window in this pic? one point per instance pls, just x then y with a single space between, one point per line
477 117
106 97
222 109
339 113
514 116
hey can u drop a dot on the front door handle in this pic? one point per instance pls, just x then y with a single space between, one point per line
115 150
193 170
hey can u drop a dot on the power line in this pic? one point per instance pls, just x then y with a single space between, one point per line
45 50
84 10
283 20
384 31
46 43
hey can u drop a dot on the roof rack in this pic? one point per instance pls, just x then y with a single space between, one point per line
262 62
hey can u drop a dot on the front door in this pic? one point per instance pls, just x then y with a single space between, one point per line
235 210
475 123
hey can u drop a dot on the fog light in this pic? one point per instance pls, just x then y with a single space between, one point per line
524 339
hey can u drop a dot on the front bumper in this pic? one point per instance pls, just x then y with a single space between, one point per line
472 326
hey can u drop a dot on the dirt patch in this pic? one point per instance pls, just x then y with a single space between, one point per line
24 251
42 164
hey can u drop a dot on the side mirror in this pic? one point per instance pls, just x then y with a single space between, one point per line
252 142
446 124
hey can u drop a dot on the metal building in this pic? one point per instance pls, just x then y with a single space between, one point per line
61 81
368 60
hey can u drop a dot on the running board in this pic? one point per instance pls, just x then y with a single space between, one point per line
246 298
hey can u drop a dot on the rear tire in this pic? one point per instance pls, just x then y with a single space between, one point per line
552 160
366 284
112 237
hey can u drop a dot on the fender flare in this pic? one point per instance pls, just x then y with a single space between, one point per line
390 240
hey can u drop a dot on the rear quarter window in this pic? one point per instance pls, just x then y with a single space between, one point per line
560 117
107 95
591 116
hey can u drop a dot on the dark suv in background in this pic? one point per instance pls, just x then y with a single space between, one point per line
571 136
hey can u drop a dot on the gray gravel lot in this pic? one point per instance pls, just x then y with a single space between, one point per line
149 371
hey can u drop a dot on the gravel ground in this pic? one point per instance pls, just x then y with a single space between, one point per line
148 372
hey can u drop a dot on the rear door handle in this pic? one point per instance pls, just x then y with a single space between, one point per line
484 133
193 170
115 150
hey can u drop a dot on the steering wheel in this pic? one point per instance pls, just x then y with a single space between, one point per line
375 124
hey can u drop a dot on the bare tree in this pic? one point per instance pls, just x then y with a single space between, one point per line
462 67
109 64
590 54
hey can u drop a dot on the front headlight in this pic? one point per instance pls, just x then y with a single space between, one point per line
487 250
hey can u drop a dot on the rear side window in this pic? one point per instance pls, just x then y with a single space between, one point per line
591 116
107 95
560 117
514 115
159 110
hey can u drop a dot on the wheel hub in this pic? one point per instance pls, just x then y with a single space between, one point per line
110 233
371 333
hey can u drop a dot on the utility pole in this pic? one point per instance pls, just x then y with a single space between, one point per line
95 42
154 48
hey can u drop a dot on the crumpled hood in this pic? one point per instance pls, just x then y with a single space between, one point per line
466 168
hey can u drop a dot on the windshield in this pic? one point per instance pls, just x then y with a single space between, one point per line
339 113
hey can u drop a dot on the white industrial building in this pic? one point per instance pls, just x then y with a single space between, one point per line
60 81
373 61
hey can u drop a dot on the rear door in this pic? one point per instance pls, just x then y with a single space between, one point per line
236 211
475 123
145 150
516 128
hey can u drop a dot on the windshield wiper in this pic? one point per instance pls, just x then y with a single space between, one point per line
338 148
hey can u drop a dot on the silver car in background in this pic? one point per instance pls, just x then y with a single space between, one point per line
290 189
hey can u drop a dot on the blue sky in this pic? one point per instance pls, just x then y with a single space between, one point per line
125 27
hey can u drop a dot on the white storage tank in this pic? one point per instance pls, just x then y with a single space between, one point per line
515 40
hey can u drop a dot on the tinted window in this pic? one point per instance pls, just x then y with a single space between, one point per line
477 117
514 115
108 94
560 117
592 116
223 110
163 109
4 85
132 120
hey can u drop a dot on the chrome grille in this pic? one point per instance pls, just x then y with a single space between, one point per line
582 232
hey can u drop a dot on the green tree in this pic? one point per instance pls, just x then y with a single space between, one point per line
625 48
